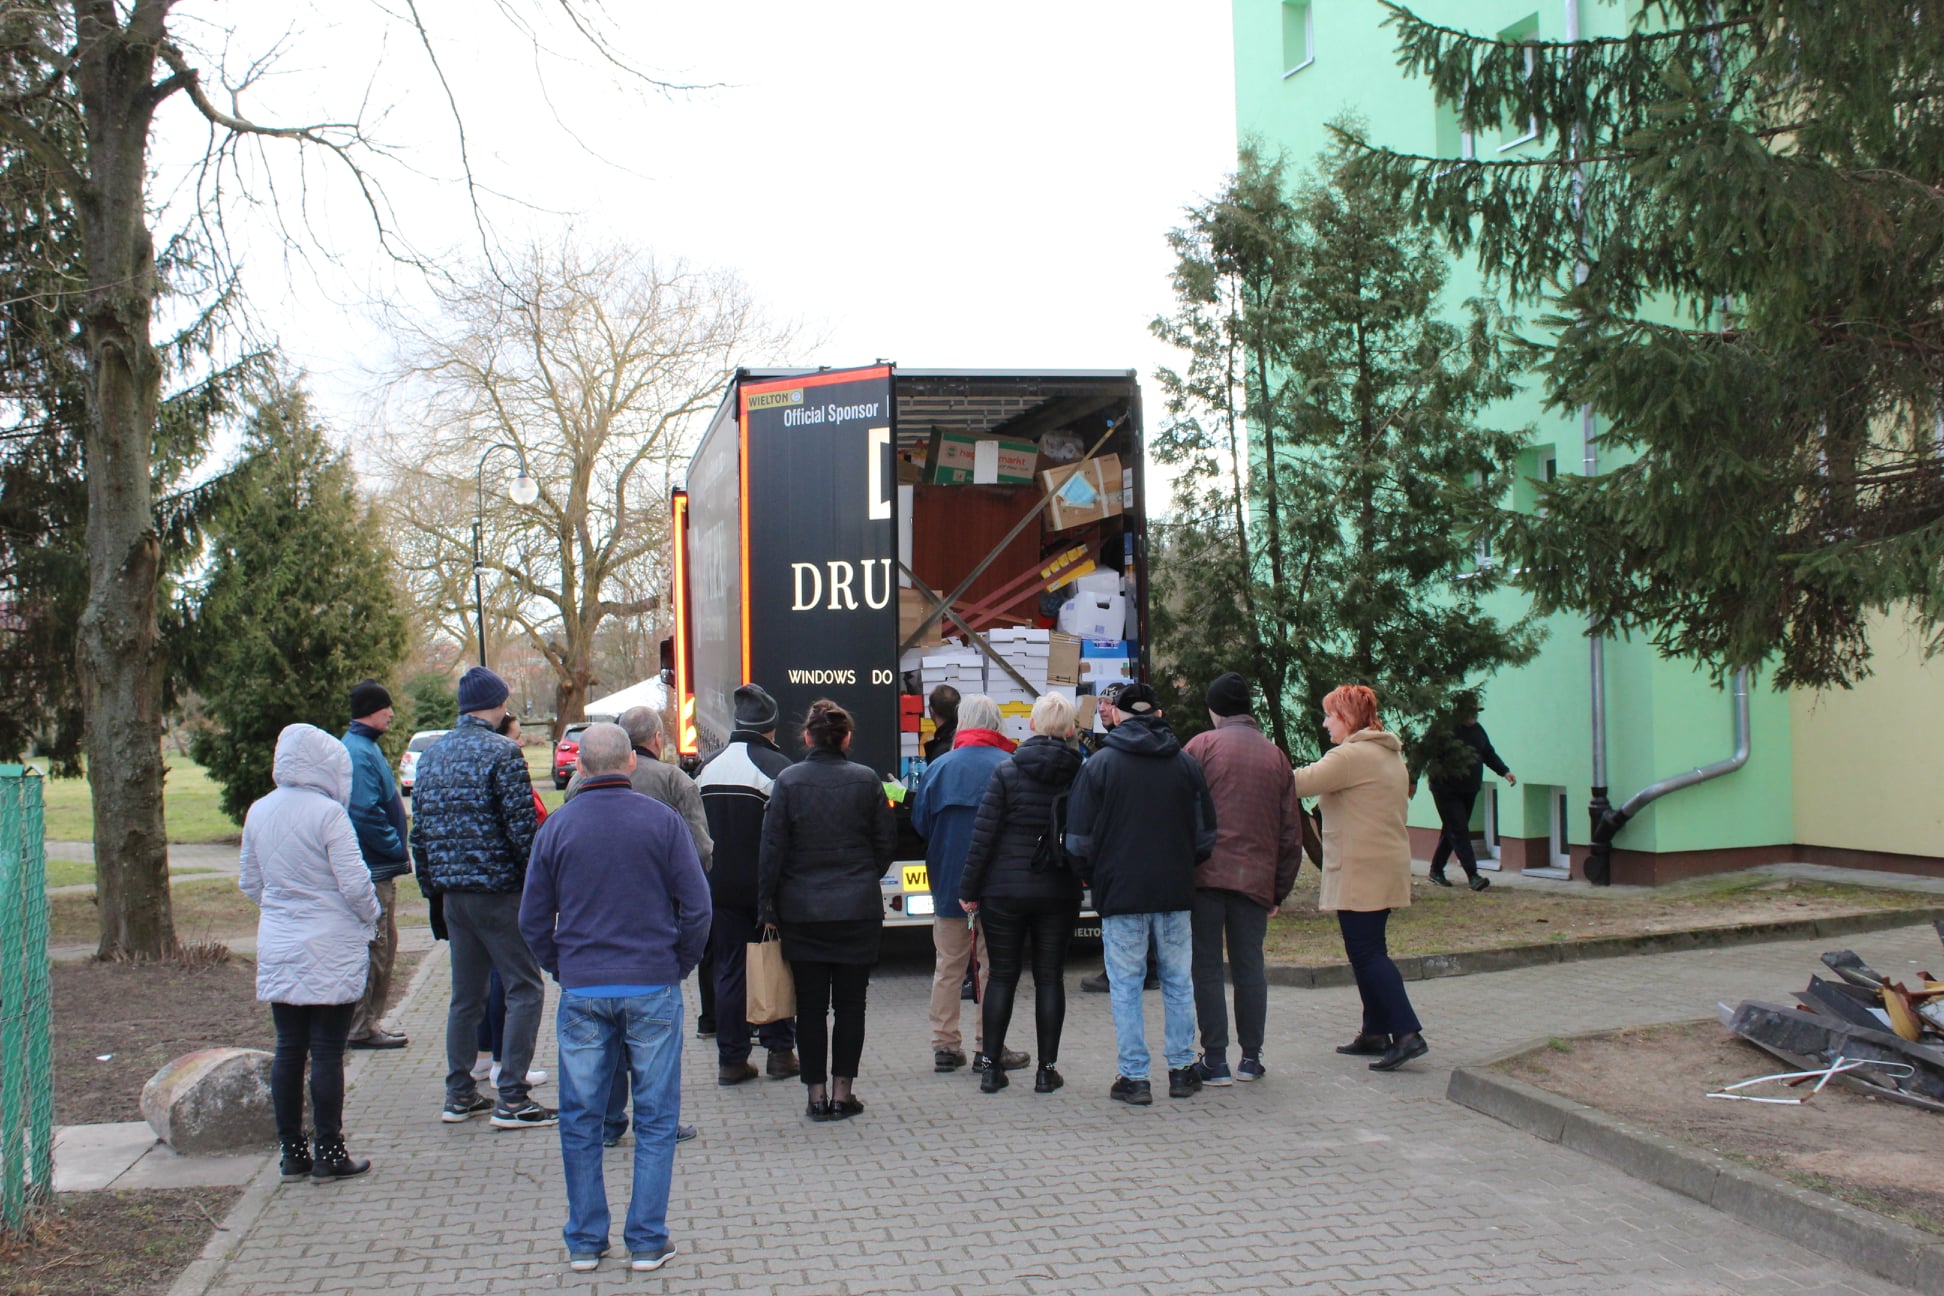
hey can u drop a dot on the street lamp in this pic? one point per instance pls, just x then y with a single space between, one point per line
524 490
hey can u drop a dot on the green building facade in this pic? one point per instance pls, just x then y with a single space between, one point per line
1847 778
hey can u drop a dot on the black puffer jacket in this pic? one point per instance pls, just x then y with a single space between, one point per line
828 836
1017 809
1140 819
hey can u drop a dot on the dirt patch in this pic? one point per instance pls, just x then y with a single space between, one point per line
1452 920
113 1243
1880 1155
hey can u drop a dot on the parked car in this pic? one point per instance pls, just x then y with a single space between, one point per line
408 763
567 754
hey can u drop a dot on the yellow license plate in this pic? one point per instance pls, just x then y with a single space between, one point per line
915 878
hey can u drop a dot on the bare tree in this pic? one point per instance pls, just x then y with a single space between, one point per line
93 76
595 363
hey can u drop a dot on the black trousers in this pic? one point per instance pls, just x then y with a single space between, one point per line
1230 915
1009 924
705 987
830 995
1454 816
1386 1008
319 1031
730 932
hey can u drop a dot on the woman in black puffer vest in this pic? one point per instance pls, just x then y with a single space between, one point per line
1019 884
828 836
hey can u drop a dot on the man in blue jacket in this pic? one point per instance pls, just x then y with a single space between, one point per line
473 821
616 909
942 812
378 815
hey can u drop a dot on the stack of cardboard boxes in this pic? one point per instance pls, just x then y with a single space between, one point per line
1046 659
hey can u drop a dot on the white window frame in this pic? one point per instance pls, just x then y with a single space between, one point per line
1532 126
1309 37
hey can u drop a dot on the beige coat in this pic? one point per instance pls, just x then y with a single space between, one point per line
1366 845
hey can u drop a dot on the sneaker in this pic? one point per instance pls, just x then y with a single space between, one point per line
1185 1082
535 1077
1136 1093
528 1115
683 1133
1213 1069
1250 1068
1096 984
782 1064
1479 882
585 1263
947 1059
705 1028
484 1068
460 1109
649 1261
378 1039
734 1074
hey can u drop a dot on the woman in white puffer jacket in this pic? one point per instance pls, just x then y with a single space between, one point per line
302 867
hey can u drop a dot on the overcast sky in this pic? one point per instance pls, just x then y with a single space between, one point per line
951 186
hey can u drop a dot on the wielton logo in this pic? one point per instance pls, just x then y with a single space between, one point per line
770 400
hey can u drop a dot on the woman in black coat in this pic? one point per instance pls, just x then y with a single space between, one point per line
828 836
1018 884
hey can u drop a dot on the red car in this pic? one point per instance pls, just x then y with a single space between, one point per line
566 754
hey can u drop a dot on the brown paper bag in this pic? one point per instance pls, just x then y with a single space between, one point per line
772 991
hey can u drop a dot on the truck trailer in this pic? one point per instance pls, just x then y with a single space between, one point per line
864 534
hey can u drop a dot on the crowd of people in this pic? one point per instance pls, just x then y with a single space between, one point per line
643 873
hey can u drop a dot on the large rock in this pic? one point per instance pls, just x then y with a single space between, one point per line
212 1100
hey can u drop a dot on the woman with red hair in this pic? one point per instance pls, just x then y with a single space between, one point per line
1364 789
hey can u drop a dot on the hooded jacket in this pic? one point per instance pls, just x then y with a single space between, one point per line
301 865
828 837
1472 781
1140 818
942 811
1017 809
735 789
1259 846
473 816
1365 791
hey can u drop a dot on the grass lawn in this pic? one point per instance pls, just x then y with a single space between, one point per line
207 906
1449 920
189 808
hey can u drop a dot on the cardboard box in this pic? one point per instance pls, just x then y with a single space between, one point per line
912 607
956 460
1106 648
1084 492
1102 671
1095 616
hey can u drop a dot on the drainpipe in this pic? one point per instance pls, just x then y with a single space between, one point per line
1610 823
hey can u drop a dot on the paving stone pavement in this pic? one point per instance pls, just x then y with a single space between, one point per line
1324 1178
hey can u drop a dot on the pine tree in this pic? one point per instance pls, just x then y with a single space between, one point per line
1360 475
1735 215
299 603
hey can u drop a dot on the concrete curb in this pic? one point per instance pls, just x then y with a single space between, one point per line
203 1271
1825 1225
1426 967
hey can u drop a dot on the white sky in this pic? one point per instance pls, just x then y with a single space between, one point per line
940 185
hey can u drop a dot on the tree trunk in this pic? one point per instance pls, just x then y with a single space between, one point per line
571 688
121 663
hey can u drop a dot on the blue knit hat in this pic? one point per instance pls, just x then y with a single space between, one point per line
481 690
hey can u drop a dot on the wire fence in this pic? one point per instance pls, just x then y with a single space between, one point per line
26 1003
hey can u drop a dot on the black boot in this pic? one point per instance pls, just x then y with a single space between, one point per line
992 1079
334 1163
296 1163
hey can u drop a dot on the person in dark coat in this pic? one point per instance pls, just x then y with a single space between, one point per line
1140 818
944 704
735 784
828 836
1455 797
1020 884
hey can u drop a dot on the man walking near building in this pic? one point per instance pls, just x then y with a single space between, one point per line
735 788
1239 888
378 815
472 827
616 909
652 777
942 812
1140 818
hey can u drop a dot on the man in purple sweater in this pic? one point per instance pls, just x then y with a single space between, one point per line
617 911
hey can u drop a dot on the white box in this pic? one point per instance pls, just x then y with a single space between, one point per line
1099 671
1101 581
1095 616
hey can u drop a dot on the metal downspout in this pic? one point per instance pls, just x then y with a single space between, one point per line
1613 821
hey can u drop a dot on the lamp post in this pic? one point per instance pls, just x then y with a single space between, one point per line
524 490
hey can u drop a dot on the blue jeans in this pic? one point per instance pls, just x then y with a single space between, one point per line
595 1034
1124 938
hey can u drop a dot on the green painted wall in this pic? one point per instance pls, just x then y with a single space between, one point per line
1663 718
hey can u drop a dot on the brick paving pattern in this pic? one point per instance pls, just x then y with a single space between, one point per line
1324 1178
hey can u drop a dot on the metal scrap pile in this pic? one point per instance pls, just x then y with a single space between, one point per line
1874 1034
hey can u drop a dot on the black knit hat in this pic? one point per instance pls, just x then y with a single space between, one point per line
1229 695
756 710
481 690
368 697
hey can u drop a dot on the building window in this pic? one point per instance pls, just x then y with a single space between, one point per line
1453 140
1525 31
1298 36
1536 464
